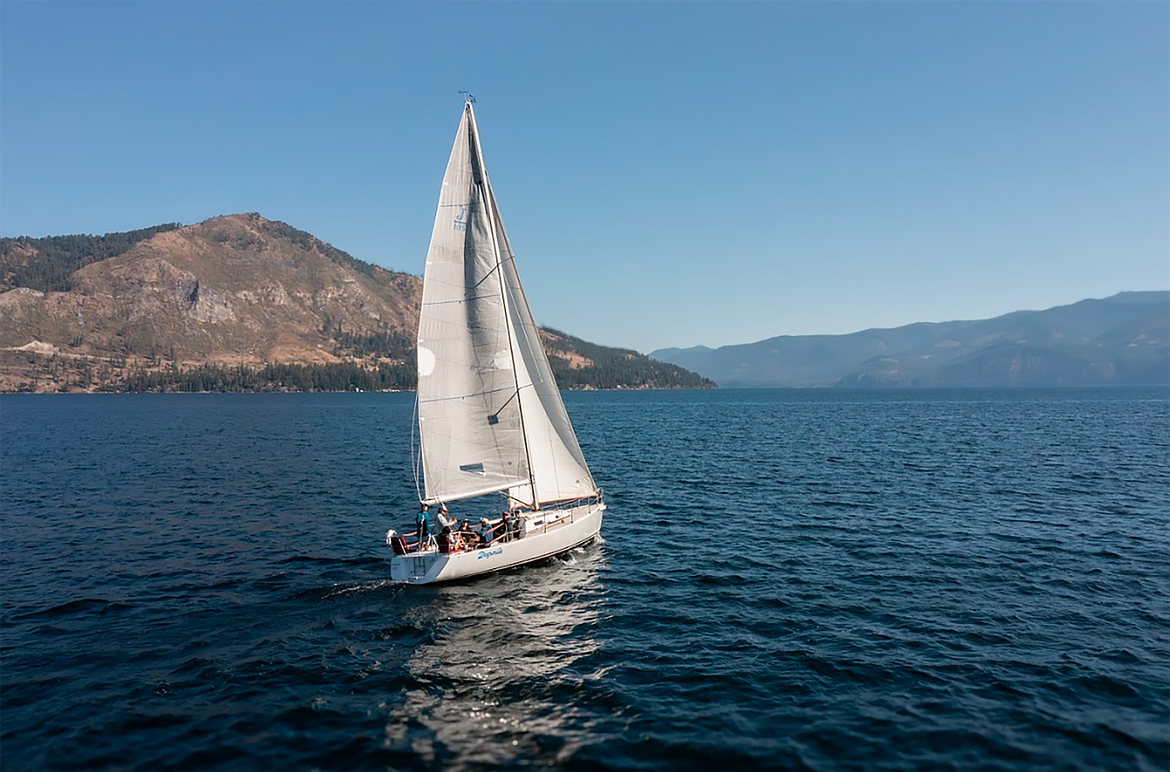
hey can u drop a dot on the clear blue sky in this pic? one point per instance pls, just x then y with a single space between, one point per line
671 174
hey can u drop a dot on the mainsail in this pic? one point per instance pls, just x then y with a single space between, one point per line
490 414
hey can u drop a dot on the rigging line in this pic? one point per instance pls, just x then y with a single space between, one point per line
515 395
453 397
487 276
416 458
460 300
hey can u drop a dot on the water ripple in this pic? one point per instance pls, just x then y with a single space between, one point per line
927 580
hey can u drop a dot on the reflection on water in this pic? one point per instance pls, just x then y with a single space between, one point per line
495 680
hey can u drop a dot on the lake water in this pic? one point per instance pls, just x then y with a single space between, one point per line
894 580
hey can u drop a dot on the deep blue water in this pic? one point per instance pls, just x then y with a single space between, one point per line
969 580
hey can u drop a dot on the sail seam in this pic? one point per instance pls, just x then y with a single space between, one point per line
433 400
458 300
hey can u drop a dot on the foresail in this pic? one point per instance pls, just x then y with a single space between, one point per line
471 437
558 466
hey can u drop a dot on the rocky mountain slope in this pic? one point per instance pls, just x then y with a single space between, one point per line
1124 339
226 300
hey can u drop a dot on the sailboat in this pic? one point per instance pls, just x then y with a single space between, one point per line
490 417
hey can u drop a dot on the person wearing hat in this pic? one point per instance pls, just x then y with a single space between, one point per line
486 532
442 518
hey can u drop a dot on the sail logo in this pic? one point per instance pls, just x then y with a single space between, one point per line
460 221
489 553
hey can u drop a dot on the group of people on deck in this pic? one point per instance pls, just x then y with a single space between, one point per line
457 536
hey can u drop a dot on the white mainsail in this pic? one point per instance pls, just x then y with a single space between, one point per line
490 414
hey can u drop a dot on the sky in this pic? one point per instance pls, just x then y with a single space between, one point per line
670 173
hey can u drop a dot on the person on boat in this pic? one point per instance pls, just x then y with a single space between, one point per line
486 532
442 519
467 537
505 528
423 523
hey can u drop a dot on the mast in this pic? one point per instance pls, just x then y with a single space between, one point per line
489 205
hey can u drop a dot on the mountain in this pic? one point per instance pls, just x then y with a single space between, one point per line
234 302
1123 339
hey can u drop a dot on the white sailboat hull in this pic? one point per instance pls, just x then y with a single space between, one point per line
549 533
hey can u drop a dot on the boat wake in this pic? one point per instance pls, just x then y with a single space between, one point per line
377 585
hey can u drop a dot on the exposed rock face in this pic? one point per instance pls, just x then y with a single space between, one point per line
233 289
13 300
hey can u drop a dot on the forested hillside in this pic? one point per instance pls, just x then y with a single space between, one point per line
47 264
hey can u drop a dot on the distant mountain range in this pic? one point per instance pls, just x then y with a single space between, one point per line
236 302
1123 339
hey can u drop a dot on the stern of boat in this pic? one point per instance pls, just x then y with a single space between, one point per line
417 567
